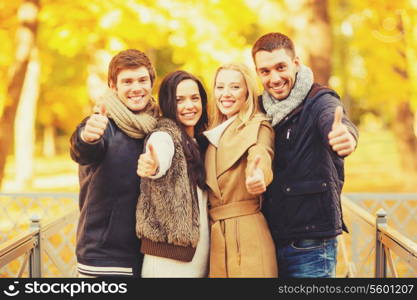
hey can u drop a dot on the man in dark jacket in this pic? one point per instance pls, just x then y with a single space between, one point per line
302 204
107 146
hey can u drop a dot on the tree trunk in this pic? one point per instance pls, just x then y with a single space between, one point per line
403 125
49 141
25 123
403 128
25 40
314 38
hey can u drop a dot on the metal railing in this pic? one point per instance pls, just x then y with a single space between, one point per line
385 243
30 247
33 244
389 246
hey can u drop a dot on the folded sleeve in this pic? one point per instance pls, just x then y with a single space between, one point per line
264 147
164 148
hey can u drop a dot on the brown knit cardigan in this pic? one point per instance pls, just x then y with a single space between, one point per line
167 213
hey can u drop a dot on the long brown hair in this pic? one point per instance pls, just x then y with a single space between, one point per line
168 104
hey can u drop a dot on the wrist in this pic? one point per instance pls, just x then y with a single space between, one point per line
156 171
82 136
85 140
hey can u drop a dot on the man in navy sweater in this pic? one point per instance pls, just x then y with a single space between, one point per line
106 146
302 204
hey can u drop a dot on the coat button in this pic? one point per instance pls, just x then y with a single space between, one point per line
324 184
288 189
313 226
307 227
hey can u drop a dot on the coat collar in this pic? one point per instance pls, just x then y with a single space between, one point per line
214 135
234 142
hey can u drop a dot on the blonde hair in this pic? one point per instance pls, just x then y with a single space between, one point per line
249 108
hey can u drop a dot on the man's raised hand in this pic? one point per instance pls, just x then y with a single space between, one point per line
95 126
340 139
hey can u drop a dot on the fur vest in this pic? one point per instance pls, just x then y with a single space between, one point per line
167 213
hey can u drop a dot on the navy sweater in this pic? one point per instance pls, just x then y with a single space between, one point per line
109 191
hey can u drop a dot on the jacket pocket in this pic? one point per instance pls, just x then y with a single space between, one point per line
306 187
304 207
237 240
107 234
307 244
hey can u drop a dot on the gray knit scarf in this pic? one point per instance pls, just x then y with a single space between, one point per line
135 125
279 109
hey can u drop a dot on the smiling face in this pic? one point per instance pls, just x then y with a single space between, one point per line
134 88
277 71
230 91
189 105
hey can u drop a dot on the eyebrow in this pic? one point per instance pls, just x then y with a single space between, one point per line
234 82
182 96
133 78
272 67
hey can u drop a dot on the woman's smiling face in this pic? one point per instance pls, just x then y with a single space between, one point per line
230 91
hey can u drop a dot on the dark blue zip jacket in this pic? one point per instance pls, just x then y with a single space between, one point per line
303 200
109 191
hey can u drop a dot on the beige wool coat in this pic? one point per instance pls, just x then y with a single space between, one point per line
241 244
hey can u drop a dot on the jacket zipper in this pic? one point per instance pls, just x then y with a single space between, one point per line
288 133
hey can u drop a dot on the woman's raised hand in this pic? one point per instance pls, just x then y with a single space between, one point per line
148 162
255 180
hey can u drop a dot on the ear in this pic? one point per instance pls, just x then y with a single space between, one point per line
297 62
113 86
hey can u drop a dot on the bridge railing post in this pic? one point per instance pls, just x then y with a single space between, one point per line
35 263
380 255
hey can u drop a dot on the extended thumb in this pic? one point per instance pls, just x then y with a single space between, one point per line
103 110
338 116
255 165
152 152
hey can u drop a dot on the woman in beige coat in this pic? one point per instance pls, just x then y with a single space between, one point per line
238 166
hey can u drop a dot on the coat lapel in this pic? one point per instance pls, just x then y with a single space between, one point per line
234 143
210 163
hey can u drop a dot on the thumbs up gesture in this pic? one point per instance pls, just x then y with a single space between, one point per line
95 126
255 181
148 162
341 140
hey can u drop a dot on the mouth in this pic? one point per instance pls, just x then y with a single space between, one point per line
189 115
136 99
227 103
279 88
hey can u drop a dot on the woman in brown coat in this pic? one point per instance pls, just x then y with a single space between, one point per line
238 166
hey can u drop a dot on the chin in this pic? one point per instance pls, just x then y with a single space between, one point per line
136 108
226 112
280 96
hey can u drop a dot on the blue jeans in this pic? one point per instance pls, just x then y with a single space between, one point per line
305 258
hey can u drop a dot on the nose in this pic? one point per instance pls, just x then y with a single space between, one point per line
136 86
227 92
188 104
275 77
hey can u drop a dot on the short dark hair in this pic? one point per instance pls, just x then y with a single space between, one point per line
272 41
129 59
167 97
